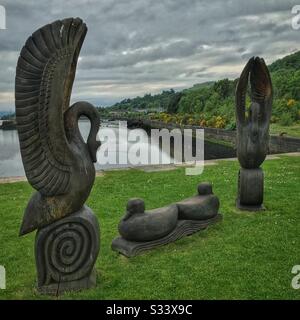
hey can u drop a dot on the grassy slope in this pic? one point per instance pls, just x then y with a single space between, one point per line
246 256
292 131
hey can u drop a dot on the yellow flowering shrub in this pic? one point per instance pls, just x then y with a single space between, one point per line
291 103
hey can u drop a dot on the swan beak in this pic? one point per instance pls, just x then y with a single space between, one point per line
93 147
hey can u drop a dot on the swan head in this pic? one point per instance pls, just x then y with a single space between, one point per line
93 146
134 206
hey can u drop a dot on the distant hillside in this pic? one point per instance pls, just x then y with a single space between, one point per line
198 86
291 61
158 102
212 103
6 115
3 113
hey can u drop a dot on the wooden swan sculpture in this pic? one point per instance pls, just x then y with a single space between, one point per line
142 230
141 225
57 161
253 131
205 205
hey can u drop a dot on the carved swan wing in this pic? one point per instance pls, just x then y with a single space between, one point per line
241 92
44 79
261 88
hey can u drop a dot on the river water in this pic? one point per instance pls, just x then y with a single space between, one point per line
11 163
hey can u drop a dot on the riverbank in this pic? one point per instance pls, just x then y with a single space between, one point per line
8 125
11 163
155 168
249 255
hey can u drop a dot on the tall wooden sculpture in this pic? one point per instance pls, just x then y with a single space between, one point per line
253 132
57 161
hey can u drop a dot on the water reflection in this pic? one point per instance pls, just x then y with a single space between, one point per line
11 162
10 158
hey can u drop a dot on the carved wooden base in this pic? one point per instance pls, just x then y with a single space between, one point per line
66 252
250 189
60 288
249 208
184 228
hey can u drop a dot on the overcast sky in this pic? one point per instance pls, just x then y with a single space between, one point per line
135 47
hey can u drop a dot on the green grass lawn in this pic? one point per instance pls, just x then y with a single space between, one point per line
293 130
246 256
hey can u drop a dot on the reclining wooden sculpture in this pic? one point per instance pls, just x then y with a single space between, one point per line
57 161
253 132
142 230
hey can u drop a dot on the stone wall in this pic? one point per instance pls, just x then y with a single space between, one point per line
278 144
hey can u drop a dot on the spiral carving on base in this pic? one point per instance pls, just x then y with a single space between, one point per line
66 252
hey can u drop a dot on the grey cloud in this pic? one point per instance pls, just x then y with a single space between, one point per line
168 43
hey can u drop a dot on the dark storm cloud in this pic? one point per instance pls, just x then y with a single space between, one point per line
135 47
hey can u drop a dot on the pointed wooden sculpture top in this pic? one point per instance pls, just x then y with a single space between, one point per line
253 124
